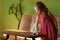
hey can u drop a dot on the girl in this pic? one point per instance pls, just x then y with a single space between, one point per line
48 23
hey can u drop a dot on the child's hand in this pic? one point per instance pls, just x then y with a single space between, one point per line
37 33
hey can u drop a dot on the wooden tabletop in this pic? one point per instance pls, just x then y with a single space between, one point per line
16 32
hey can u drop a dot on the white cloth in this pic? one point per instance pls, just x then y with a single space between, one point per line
33 28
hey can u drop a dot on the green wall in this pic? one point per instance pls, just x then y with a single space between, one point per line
0 15
10 21
0 19
52 5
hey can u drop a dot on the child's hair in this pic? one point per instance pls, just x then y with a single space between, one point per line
40 6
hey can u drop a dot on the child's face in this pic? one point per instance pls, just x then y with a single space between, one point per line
36 9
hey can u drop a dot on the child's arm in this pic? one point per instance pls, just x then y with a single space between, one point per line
36 24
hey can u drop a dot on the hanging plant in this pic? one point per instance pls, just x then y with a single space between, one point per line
15 9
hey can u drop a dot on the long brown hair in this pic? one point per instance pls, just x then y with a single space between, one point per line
40 5
42 8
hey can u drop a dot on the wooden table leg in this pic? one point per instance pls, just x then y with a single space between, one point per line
15 37
25 38
33 38
7 37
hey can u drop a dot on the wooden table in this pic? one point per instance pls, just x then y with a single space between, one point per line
22 33
16 32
